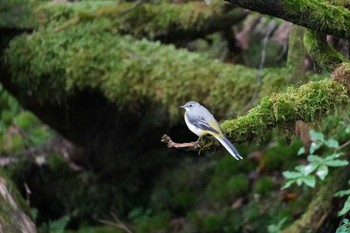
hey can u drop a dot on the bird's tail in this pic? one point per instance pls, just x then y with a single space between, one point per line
229 147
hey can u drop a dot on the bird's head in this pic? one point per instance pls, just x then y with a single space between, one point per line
190 105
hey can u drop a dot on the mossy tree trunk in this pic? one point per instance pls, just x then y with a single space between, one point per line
12 217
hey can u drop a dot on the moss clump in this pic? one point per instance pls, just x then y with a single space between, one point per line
342 75
309 103
318 47
226 189
52 66
213 223
144 20
264 186
157 223
102 229
319 16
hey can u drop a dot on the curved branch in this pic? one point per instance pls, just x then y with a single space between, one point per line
310 102
314 14
319 49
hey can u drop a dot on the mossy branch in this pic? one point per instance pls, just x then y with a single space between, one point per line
309 103
318 47
165 21
53 66
316 15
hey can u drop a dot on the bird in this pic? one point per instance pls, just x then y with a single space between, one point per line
201 122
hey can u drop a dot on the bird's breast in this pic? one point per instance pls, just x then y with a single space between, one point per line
199 132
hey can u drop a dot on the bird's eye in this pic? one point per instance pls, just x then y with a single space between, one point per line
190 105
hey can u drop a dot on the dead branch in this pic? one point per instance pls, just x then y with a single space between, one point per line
185 145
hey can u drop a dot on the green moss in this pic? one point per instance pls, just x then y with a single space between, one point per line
238 185
18 14
319 16
102 229
309 103
145 20
213 223
264 186
25 120
51 66
319 49
226 189
157 223
282 156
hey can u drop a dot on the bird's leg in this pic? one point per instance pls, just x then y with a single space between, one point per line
197 142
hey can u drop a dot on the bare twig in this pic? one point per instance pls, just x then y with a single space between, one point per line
117 224
343 145
186 145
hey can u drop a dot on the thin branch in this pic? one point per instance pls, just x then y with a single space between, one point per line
117 224
343 145
186 145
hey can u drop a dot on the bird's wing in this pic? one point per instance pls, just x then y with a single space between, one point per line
208 124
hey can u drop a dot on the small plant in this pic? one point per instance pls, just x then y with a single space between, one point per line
346 206
317 166
276 228
345 228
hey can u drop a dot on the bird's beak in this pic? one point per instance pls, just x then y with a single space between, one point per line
182 106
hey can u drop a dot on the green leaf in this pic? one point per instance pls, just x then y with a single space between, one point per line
291 175
306 169
332 156
347 129
309 181
276 228
314 159
342 193
301 151
310 168
336 163
345 208
345 228
317 135
322 172
299 181
332 143
288 184
313 147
